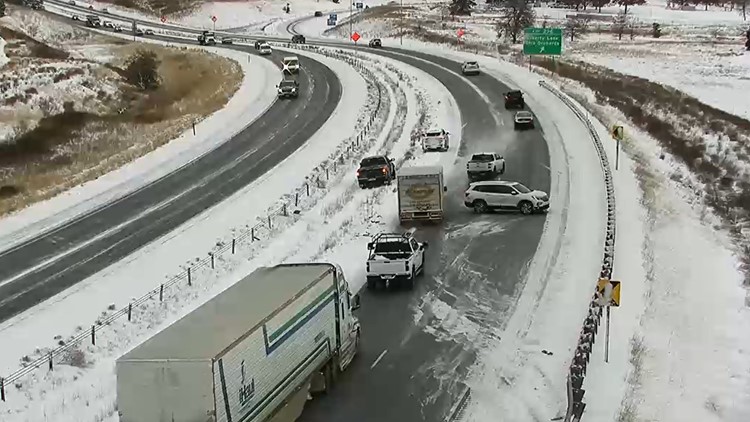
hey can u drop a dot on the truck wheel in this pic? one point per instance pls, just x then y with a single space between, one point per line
525 207
480 207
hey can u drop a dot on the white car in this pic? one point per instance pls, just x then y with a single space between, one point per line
470 68
75 17
523 120
264 49
435 140
505 195
291 64
485 164
108 24
394 258
149 32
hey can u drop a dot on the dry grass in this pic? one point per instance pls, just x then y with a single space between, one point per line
159 7
680 123
68 149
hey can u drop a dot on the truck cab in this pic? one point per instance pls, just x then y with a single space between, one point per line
207 38
395 259
514 99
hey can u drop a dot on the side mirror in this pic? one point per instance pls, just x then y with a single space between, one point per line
369 246
355 302
392 160
277 86
424 245
445 188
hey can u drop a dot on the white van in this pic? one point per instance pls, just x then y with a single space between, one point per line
291 64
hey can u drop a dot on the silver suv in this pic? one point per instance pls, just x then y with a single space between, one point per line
504 195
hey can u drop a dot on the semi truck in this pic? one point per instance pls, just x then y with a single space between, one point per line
253 353
421 192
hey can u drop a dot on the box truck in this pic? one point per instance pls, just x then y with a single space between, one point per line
421 191
253 353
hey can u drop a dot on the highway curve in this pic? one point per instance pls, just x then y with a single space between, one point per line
479 272
109 234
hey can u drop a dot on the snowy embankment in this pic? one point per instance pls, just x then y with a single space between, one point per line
255 95
3 58
91 396
679 349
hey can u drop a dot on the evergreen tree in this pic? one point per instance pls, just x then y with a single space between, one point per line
461 7
2 8
598 4
627 3
516 15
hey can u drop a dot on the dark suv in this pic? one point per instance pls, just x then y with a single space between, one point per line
514 99
376 43
288 89
375 171
298 39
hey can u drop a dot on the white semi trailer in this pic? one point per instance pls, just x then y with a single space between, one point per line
249 354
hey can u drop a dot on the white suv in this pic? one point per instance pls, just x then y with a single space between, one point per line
504 195
435 140
470 68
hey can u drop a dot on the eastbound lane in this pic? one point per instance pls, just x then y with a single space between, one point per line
143 216
412 367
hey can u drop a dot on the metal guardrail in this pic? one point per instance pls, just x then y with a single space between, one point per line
582 354
251 234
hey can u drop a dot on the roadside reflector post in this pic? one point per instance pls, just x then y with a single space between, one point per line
49 360
2 389
190 277
284 211
130 312
269 221
212 259
296 199
606 340
234 244
161 293
93 335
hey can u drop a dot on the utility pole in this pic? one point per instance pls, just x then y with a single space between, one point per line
351 16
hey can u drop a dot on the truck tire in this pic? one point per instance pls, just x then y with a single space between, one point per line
480 207
525 207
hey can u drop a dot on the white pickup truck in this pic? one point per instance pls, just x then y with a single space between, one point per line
485 164
395 259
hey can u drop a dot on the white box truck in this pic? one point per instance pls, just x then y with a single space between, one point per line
421 192
249 354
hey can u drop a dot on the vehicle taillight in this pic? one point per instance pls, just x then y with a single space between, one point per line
385 170
357 173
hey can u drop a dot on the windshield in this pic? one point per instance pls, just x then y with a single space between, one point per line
472 64
436 133
372 161
521 188
287 84
482 157
290 61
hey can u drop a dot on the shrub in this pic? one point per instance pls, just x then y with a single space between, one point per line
142 70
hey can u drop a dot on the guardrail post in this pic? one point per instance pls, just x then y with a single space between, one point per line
284 211
234 244
49 360
296 199
130 312
212 260
193 127
93 335
253 238
269 221
2 389
307 187
161 293
190 277
327 175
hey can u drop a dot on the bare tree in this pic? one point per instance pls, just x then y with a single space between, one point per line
576 26
742 6
2 8
461 7
620 23
598 4
627 3
516 15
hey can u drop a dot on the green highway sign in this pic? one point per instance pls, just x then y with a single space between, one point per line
545 41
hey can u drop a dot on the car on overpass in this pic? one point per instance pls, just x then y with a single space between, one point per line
375 43
298 39
491 195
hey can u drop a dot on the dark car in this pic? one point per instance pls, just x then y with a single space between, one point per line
139 32
298 39
227 40
375 43
318 13
288 88
258 43
93 21
375 171
514 99
149 32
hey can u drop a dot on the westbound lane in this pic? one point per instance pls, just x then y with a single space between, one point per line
475 265
34 271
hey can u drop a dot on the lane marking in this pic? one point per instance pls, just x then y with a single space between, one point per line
379 358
